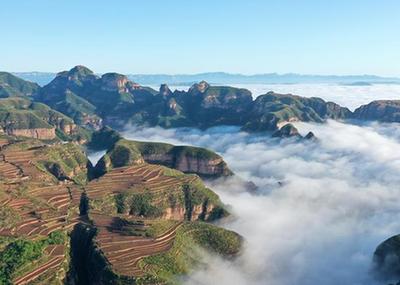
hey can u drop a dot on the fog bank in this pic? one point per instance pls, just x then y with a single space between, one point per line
337 199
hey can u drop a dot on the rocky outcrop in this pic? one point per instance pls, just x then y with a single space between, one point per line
287 131
382 110
198 212
203 167
189 160
165 91
387 258
290 131
310 136
37 133
114 82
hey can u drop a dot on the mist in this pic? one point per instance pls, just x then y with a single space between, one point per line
337 199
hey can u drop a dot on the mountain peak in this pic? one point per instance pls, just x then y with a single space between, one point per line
202 86
114 82
81 70
76 73
164 90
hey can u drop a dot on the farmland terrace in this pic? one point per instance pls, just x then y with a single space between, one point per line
58 226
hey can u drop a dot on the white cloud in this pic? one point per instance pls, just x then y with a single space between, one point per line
95 156
338 200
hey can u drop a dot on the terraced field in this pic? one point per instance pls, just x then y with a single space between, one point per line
128 215
124 251
36 204
54 257
144 177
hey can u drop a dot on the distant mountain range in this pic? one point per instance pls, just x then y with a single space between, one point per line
42 78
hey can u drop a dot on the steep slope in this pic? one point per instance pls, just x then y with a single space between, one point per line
63 94
21 117
86 98
382 110
13 86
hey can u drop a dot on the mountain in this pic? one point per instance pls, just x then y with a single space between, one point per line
22 117
381 110
387 258
271 111
13 86
43 78
113 99
188 159
87 98
137 223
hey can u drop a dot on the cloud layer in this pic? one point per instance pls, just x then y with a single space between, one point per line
337 199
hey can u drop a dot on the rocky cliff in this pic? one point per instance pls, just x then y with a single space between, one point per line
21 117
37 133
187 159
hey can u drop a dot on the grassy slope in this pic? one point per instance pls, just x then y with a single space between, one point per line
69 158
12 85
186 252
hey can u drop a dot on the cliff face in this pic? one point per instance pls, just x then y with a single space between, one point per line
122 152
114 82
203 167
189 164
37 133
197 212
382 110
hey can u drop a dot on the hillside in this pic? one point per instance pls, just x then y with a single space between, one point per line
22 117
382 110
13 86
134 223
188 159
271 111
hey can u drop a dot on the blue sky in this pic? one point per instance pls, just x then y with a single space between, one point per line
303 36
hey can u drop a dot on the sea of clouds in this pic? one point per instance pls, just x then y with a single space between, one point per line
344 95
321 209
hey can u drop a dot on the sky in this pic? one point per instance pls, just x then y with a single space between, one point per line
238 36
